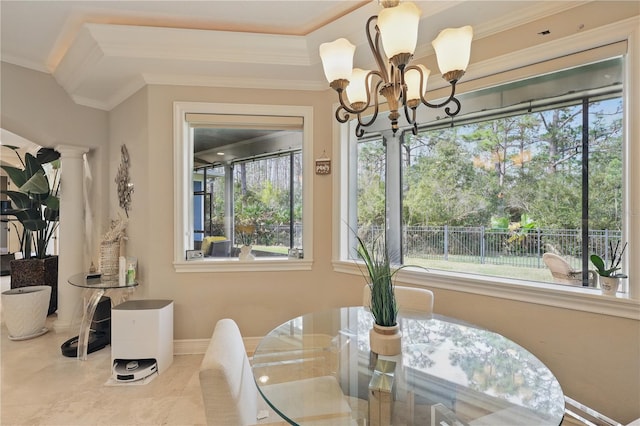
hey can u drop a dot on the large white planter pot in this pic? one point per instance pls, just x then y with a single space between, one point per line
609 285
25 311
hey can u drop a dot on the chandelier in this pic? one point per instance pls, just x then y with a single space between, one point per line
401 84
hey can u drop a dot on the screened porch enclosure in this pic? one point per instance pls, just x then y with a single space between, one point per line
266 202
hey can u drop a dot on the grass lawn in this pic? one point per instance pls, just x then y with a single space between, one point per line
507 271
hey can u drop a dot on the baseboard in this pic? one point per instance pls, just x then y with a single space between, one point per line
190 346
199 346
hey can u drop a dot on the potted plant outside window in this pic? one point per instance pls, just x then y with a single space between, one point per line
608 278
246 232
36 206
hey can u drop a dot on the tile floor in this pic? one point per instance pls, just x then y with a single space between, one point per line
40 386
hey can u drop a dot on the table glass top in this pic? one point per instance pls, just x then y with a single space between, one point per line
449 373
101 282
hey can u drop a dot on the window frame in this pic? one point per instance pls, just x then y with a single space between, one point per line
183 190
499 71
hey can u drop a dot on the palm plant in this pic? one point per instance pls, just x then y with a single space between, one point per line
35 201
384 307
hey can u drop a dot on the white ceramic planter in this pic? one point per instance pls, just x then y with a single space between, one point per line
609 285
25 311
385 340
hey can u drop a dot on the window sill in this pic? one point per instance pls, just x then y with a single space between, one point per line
234 265
561 296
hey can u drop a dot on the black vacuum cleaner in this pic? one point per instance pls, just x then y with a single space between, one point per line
100 334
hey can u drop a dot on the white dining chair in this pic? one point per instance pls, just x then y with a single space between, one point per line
407 298
231 396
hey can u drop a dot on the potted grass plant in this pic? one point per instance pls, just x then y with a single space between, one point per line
385 336
608 277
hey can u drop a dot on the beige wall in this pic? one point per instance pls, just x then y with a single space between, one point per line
259 300
129 126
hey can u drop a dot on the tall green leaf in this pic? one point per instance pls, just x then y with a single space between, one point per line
17 176
37 186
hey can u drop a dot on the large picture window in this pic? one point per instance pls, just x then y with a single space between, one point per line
489 193
492 197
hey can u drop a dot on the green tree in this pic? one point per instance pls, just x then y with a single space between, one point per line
440 187
371 183
605 164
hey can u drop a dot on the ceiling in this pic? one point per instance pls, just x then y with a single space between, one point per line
101 52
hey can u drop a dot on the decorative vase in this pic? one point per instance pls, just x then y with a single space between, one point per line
609 285
36 272
110 258
25 311
385 340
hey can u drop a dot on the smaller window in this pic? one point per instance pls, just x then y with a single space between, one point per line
242 182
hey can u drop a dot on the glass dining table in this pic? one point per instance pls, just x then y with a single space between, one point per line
450 373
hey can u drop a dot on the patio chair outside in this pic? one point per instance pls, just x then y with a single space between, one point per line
563 273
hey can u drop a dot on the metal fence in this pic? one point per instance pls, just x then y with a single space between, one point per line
522 248
468 244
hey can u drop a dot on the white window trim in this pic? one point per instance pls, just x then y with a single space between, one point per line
183 194
568 297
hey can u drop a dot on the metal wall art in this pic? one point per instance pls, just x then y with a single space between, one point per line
125 187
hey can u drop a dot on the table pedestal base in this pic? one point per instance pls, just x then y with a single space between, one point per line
91 298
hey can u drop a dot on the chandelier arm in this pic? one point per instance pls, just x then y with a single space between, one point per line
455 112
375 49
451 98
410 119
375 109
345 115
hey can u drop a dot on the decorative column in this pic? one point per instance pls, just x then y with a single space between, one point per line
71 232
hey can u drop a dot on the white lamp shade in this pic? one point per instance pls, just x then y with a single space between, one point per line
453 48
337 59
412 79
399 28
357 88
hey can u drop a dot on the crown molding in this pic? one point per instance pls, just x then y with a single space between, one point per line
178 44
118 96
21 62
101 46
234 82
